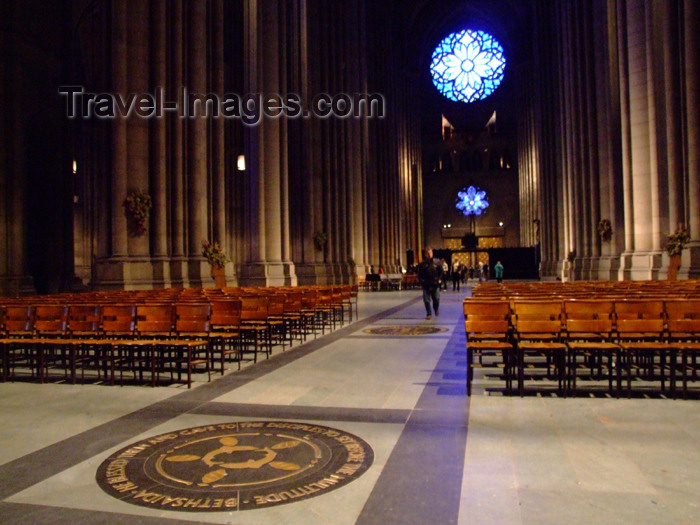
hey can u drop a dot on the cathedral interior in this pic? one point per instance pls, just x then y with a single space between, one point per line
306 145
594 123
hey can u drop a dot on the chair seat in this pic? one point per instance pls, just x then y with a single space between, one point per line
590 345
482 345
541 345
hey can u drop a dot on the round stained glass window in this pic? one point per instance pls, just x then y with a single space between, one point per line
468 65
472 201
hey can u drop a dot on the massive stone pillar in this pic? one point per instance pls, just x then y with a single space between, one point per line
197 136
690 264
176 151
14 276
158 154
265 147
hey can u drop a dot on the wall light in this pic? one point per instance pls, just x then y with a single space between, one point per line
241 163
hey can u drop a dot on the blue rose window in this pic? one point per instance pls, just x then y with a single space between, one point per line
467 65
471 201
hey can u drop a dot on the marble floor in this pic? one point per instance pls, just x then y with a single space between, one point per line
437 456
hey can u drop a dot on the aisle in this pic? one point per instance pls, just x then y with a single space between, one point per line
390 408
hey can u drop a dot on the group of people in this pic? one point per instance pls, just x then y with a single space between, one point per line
433 275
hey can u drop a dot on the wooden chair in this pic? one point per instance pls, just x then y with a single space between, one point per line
50 346
345 300
225 335
276 323
488 331
255 332
191 346
641 335
684 331
120 352
354 294
589 334
538 334
18 350
85 330
293 316
309 312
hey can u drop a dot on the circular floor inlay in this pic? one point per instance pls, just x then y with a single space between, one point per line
405 330
234 466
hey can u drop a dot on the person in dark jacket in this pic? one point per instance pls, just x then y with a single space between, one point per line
429 275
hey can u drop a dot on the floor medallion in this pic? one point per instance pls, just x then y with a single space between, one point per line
234 466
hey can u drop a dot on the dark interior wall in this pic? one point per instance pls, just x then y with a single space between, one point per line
440 196
37 135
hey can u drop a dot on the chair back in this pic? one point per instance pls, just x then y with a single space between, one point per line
118 319
495 310
50 319
84 318
225 313
192 318
154 320
254 308
19 319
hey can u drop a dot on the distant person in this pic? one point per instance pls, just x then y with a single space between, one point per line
455 277
498 271
445 273
429 276
471 272
486 272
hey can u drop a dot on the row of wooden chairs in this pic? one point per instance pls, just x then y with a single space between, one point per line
586 289
600 339
145 333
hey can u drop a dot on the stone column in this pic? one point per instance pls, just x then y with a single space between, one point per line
159 182
218 154
691 256
176 127
14 275
196 140
265 147
119 144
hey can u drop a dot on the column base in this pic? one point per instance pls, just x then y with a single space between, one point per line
16 285
314 273
690 262
145 273
268 274
644 266
606 268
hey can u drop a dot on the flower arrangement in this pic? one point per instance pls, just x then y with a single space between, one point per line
677 240
138 207
605 230
214 254
320 240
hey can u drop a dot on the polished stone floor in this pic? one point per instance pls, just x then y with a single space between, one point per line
439 457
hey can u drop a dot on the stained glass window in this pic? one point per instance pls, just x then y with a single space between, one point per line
472 201
468 65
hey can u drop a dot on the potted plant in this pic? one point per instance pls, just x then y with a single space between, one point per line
217 258
605 230
320 240
138 206
674 247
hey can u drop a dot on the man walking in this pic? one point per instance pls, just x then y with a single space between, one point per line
429 274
